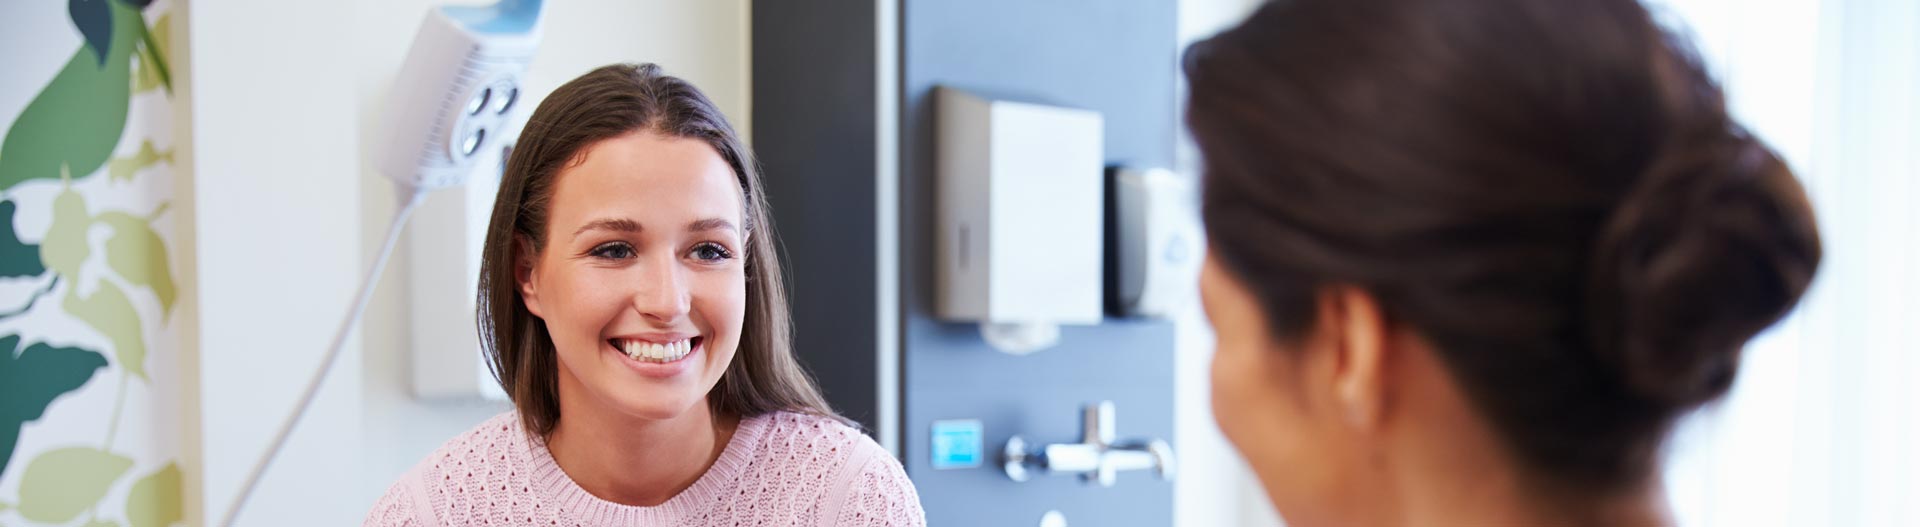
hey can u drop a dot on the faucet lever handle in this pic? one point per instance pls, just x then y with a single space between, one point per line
1099 424
1097 458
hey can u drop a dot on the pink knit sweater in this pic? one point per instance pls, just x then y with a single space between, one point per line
779 469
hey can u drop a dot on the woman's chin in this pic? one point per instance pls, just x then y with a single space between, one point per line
657 407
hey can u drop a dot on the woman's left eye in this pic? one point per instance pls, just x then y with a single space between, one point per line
711 252
612 251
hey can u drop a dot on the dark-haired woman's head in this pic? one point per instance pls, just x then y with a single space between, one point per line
1433 224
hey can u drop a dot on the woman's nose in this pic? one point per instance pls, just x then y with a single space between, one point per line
661 294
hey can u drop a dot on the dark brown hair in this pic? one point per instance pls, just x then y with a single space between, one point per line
608 102
1551 192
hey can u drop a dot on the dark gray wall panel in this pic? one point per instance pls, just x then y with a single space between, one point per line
1113 56
813 127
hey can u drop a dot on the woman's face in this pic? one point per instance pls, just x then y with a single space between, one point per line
1265 398
641 281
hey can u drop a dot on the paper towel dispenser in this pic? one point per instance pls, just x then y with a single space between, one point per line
1020 204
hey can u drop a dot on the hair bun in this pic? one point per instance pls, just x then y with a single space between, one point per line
1713 244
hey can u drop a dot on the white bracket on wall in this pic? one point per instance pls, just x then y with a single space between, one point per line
449 230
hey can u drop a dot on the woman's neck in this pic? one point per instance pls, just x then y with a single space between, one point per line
1441 463
1494 496
1454 471
633 461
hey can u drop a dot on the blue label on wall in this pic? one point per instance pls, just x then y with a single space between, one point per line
956 443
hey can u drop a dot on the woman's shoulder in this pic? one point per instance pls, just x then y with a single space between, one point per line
470 460
821 440
495 441
852 477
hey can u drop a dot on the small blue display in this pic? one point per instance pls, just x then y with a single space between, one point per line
956 443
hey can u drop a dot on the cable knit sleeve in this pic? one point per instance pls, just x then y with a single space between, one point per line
881 496
395 509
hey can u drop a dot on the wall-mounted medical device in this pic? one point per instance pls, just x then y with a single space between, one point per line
455 109
1158 244
1020 217
455 97
451 108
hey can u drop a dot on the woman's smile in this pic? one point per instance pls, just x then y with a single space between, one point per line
654 357
655 350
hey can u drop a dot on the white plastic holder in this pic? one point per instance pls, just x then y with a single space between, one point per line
1159 243
1020 338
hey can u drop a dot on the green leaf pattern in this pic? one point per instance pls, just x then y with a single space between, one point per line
155 500
138 254
65 246
110 312
69 131
59 484
77 119
153 71
123 168
32 380
16 257
135 252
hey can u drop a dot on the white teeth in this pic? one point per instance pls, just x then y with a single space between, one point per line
655 352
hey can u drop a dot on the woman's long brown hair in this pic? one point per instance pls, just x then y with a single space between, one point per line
608 102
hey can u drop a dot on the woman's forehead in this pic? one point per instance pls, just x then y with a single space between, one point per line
647 178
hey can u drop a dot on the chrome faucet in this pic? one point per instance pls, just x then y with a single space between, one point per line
1096 458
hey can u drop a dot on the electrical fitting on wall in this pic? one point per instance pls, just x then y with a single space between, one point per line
1020 217
452 108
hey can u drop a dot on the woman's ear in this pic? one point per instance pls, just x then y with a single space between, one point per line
1359 330
524 260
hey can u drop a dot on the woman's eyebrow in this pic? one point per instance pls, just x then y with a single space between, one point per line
611 224
710 224
626 225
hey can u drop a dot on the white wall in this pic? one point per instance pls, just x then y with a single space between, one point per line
1215 487
1819 427
273 198
705 42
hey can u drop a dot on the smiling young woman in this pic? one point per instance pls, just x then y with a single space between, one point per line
632 305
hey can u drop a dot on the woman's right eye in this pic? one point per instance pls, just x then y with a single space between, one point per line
612 251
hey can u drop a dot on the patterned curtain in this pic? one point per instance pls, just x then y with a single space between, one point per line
89 374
